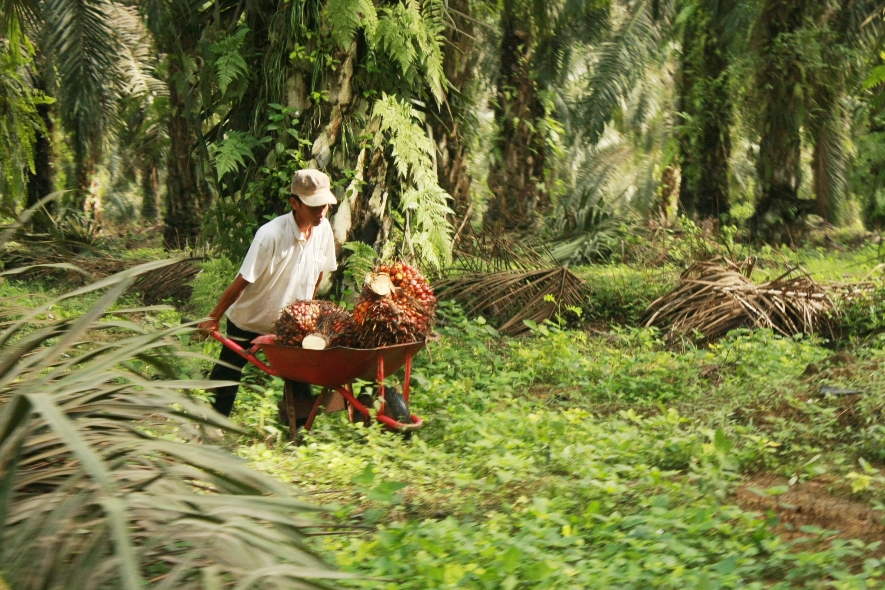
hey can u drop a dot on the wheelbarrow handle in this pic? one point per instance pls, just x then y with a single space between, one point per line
249 354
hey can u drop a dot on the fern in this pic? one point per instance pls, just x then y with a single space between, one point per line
231 152
411 35
423 203
430 232
397 32
346 16
359 263
431 41
230 65
19 121
876 78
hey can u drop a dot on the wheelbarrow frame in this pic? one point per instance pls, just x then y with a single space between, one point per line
334 369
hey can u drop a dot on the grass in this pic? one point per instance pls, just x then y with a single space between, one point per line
826 266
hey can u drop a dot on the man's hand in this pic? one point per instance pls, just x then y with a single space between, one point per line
206 327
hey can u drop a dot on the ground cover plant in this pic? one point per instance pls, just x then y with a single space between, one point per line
597 456
581 460
572 459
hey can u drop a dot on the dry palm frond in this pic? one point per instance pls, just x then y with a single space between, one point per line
509 297
488 253
716 296
170 282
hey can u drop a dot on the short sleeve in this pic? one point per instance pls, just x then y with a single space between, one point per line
257 259
329 251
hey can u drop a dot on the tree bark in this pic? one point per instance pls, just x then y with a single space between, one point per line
185 194
86 189
150 189
778 209
705 133
42 181
873 216
516 176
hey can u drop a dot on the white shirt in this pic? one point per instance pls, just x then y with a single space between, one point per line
282 266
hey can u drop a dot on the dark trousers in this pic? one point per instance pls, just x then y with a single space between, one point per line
226 395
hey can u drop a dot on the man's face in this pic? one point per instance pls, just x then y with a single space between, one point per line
304 214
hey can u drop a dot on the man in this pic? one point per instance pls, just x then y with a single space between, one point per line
285 263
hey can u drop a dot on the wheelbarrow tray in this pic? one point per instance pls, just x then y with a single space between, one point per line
333 367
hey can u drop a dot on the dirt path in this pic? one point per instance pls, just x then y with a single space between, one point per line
813 503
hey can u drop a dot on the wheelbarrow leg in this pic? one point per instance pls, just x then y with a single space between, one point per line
381 389
316 408
301 405
408 378
363 398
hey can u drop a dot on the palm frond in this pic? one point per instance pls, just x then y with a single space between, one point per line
829 164
511 297
81 43
17 15
618 64
137 56
102 481
716 296
20 122
572 25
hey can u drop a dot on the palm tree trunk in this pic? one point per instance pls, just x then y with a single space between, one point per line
873 216
42 181
150 189
184 191
705 135
86 189
446 121
779 166
516 176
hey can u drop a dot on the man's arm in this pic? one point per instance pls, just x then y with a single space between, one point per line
231 294
317 288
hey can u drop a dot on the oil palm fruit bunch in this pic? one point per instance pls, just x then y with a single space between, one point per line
396 306
300 319
337 328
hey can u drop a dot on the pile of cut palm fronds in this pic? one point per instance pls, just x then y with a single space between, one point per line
172 282
45 260
716 296
510 297
491 253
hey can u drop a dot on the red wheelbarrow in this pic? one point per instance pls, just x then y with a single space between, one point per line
335 370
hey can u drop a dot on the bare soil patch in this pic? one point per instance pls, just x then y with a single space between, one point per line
813 503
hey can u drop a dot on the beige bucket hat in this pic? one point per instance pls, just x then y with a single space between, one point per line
313 188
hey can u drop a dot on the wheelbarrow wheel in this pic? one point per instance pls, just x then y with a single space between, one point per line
395 406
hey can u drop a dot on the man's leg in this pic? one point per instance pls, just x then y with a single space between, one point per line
225 396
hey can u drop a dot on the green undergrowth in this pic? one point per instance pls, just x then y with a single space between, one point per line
595 458
618 294
573 460
825 264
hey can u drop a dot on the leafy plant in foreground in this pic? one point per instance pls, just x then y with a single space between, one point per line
98 488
